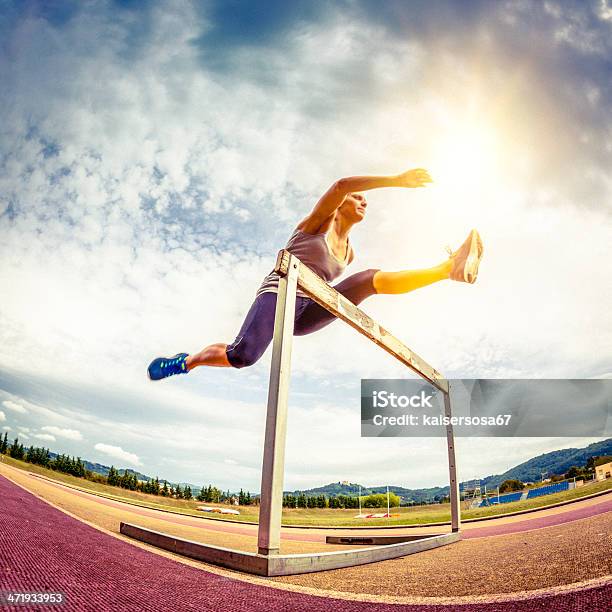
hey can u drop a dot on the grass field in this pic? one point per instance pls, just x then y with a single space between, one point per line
312 516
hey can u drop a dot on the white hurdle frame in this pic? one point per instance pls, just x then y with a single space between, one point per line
293 274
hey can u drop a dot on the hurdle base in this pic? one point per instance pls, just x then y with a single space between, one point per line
387 547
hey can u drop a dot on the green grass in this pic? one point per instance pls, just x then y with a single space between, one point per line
417 515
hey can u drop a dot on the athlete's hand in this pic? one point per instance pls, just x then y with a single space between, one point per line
414 178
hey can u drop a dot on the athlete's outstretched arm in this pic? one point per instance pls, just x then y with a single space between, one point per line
334 196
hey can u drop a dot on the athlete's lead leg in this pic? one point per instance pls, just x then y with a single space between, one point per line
409 280
462 265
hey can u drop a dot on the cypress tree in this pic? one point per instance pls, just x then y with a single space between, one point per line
124 479
112 476
80 468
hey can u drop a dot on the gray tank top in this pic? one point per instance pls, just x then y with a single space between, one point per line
314 251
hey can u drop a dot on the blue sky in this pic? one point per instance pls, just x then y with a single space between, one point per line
155 156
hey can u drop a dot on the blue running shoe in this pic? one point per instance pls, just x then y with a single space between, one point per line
162 367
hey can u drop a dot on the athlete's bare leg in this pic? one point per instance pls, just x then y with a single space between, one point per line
409 280
211 355
462 265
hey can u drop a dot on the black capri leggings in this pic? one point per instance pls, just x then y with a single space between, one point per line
258 328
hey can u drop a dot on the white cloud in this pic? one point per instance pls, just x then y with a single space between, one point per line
14 406
47 437
70 434
605 11
7 428
23 429
2 416
117 453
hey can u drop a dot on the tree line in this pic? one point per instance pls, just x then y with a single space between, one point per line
41 456
125 479
375 500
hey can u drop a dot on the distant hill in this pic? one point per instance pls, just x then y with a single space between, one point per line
555 462
352 489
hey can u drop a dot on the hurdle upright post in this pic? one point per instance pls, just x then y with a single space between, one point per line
452 468
273 470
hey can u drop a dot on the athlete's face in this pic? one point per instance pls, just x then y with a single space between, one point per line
354 207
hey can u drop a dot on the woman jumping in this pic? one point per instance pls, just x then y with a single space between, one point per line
321 241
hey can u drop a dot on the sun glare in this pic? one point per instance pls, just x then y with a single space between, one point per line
465 160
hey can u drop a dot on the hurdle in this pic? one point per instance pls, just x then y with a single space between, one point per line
268 561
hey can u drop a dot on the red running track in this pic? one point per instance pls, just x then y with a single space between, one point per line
549 520
43 549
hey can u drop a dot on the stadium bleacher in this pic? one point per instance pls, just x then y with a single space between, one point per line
503 499
555 487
